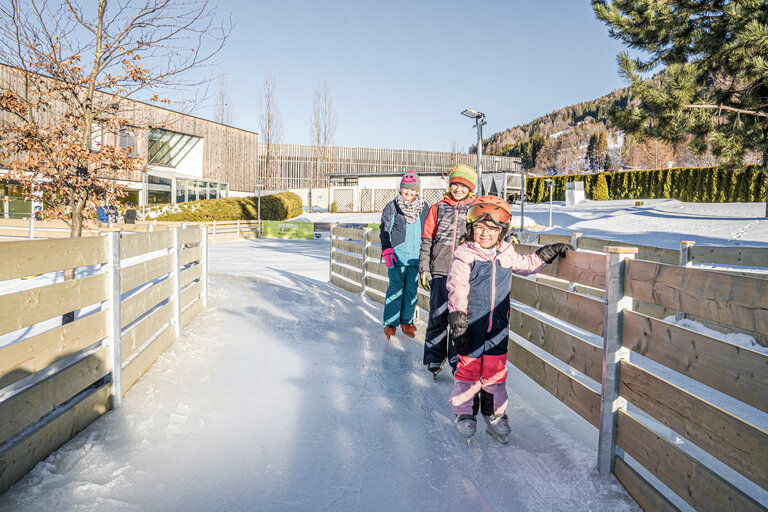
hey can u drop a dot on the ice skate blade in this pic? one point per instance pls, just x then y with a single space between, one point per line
498 437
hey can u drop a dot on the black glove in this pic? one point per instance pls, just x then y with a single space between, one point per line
458 321
550 252
426 279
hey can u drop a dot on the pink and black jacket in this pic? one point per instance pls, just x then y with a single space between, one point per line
479 284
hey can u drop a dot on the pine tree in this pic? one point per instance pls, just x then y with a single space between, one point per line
600 190
608 164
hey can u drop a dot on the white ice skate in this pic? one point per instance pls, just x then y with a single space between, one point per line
466 425
498 427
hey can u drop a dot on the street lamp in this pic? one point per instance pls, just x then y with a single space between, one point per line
496 162
551 184
479 118
259 184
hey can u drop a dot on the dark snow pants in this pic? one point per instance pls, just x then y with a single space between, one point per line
437 342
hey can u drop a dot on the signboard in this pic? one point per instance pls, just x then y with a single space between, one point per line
282 229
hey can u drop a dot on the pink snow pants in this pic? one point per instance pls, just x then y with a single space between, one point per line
475 373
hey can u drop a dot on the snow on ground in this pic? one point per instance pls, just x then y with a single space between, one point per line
283 395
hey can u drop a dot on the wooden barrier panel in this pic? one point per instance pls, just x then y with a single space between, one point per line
139 304
18 259
347 259
189 274
133 371
579 267
191 293
585 312
140 333
33 403
731 369
378 269
742 446
344 245
698 485
373 295
574 394
374 238
190 255
143 243
730 300
191 236
19 458
644 493
352 274
352 234
581 355
188 314
33 354
644 252
38 304
342 283
373 251
144 272
546 239
422 300
743 256
376 284
15 233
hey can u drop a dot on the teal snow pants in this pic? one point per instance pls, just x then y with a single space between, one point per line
401 294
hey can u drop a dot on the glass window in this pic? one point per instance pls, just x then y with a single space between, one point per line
181 191
168 148
158 196
133 196
192 190
127 139
201 192
97 136
213 191
223 190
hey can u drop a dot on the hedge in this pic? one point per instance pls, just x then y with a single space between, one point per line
695 185
281 206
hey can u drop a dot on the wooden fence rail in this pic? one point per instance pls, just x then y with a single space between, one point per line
619 366
130 301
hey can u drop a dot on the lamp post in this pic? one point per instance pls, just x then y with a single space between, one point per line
551 184
479 118
259 184
496 162
522 198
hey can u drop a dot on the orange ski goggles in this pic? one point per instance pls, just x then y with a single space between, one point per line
490 208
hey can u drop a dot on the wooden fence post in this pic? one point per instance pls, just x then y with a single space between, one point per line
366 245
684 261
214 232
205 265
177 281
610 403
115 318
32 227
238 229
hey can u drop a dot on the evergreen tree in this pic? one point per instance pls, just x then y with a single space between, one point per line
600 190
713 89
607 164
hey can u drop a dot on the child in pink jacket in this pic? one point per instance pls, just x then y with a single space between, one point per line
478 302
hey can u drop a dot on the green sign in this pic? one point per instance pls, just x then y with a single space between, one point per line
281 229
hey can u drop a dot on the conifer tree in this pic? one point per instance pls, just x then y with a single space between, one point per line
714 86
600 190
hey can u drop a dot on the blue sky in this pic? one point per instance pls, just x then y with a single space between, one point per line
401 72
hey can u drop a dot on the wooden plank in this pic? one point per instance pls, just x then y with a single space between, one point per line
352 234
585 312
643 493
374 237
546 239
18 259
375 296
25 308
346 285
138 334
572 350
33 354
578 267
142 362
191 293
373 252
743 256
189 255
191 236
33 403
344 245
354 275
644 252
143 243
379 269
135 306
742 446
19 458
731 369
698 485
20 233
577 396
376 284
347 259
740 302
144 272
190 274
191 312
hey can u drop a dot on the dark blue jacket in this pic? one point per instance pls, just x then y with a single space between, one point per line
394 229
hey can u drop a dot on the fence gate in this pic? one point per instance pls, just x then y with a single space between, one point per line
344 199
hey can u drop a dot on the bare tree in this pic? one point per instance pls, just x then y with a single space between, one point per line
224 112
322 132
271 128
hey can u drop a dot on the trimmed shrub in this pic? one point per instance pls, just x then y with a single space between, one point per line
284 205
600 190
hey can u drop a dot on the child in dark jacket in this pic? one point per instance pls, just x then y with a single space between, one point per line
401 224
445 225
478 304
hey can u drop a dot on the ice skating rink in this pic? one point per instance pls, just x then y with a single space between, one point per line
285 395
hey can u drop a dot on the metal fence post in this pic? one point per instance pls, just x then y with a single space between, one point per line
238 229
366 245
214 232
177 280
684 261
610 402
575 237
115 318
330 252
205 265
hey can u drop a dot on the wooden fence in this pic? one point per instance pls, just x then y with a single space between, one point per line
132 294
218 231
668 442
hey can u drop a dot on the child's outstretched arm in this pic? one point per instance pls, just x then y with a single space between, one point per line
522 265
